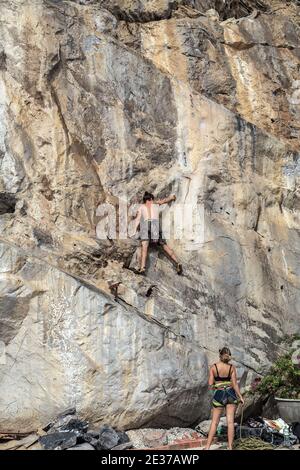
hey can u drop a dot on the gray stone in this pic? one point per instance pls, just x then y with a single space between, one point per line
203 427
69 423
108 438
124 446
123 437
84 446
90 437
58 440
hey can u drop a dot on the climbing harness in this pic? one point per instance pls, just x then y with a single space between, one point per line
224 396
224 393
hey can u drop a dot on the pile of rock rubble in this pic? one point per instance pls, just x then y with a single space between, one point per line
68 432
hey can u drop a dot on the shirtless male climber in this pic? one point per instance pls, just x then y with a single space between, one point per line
150 230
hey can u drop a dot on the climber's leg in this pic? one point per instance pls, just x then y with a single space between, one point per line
171 254
216 415
145 244
230 411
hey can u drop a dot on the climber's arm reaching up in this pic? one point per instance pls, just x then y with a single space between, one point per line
165 200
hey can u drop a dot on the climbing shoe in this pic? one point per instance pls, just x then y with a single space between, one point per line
179 269
142 271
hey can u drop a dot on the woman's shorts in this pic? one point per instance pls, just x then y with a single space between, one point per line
226 396
150 231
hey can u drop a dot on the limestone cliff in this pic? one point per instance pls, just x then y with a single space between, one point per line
100 100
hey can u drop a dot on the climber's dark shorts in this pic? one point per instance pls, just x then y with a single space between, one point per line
226 396
150 231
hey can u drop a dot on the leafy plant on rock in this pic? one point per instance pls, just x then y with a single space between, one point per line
283 378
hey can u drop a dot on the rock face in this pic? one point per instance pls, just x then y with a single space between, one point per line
100 100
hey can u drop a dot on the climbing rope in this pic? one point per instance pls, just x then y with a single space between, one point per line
250 443
241 422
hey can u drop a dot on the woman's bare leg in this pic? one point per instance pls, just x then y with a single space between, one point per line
145 245
170 252
216 415
230 412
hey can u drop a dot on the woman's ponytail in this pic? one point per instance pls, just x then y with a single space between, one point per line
225 355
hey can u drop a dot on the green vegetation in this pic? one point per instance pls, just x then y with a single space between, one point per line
283 379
